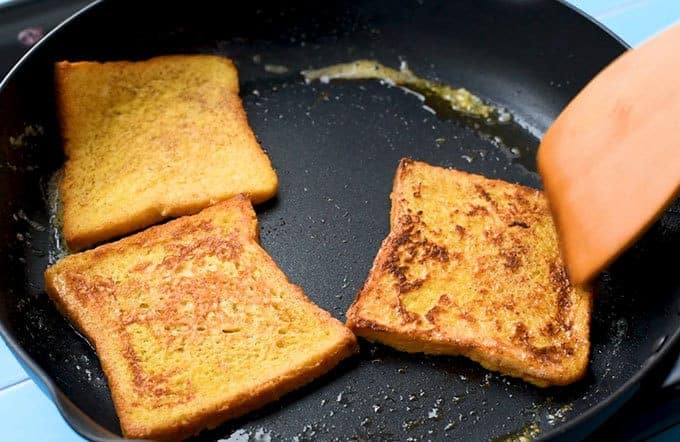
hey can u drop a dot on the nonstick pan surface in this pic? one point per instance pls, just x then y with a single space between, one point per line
336 147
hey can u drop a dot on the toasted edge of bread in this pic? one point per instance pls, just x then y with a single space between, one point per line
79 236
107 344
505 359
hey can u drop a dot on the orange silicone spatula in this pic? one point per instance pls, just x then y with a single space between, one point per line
610 163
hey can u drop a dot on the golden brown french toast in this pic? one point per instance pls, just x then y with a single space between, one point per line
152 139
471 267
194 323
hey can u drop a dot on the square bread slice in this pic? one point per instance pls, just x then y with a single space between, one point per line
471 267
194 323
152 139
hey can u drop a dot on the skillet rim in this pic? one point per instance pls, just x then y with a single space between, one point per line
87 427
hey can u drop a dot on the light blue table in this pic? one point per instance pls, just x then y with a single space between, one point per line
26 414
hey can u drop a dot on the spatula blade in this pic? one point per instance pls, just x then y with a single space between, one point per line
610 163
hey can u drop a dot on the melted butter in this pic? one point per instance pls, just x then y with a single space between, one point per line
29 133
526 434
559 415
437 96
492 123
57 244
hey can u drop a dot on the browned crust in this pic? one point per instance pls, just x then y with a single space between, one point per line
492 357
519 356
246 402
102 327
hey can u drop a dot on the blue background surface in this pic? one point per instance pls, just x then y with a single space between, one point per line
26 414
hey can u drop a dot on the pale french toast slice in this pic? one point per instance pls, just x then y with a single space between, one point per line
148 140
472 267
194 323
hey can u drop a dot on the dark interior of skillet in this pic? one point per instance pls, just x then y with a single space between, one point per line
336 147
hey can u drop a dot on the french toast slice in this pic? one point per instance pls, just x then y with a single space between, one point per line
194 323
153 139
471 267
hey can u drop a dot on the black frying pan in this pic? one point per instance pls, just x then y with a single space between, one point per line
336 148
